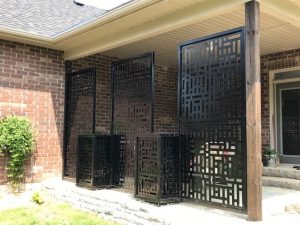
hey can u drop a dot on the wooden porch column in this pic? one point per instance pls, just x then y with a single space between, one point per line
253 112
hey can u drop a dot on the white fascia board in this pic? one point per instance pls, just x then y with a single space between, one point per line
104 4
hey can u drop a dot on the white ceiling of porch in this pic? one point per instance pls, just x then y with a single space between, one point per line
295 2
276 35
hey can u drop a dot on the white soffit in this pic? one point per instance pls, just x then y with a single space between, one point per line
276 35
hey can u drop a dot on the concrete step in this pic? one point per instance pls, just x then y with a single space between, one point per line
285 172
111 204
122 207
281 182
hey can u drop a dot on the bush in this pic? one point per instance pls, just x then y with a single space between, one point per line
17 143
37 198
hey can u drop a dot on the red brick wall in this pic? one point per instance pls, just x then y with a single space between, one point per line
270 62
32 85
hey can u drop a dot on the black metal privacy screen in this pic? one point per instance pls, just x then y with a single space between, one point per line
98 160
212 116
132 102
157 168
79 113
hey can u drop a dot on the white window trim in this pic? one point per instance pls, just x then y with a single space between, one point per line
272 100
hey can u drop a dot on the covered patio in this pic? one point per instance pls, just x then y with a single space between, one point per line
169 100
151 84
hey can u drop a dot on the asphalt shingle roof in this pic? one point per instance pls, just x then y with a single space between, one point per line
48 18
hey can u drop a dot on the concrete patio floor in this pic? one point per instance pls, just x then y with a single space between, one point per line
280 206
123 207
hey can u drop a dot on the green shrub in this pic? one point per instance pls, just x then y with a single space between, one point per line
36 197
17 143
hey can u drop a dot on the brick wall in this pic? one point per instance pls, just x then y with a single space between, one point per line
32 85
270 62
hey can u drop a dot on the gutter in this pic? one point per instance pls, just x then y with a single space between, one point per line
115 14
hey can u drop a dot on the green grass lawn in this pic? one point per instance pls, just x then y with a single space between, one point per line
50 214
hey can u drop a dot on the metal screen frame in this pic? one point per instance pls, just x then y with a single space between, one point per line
125 65
157 171
99 159
68 76
186 144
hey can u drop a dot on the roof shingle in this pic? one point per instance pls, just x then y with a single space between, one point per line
48 18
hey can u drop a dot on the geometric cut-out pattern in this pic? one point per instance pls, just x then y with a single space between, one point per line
157 168
212 113
132 102
79 114
99 160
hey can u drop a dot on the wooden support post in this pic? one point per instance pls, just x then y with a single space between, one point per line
253 112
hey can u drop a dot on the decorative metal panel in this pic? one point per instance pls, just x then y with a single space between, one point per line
157 168
85 159
212 116
98 161
79 113
148 163
132 102
102 161
169 166
117 160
